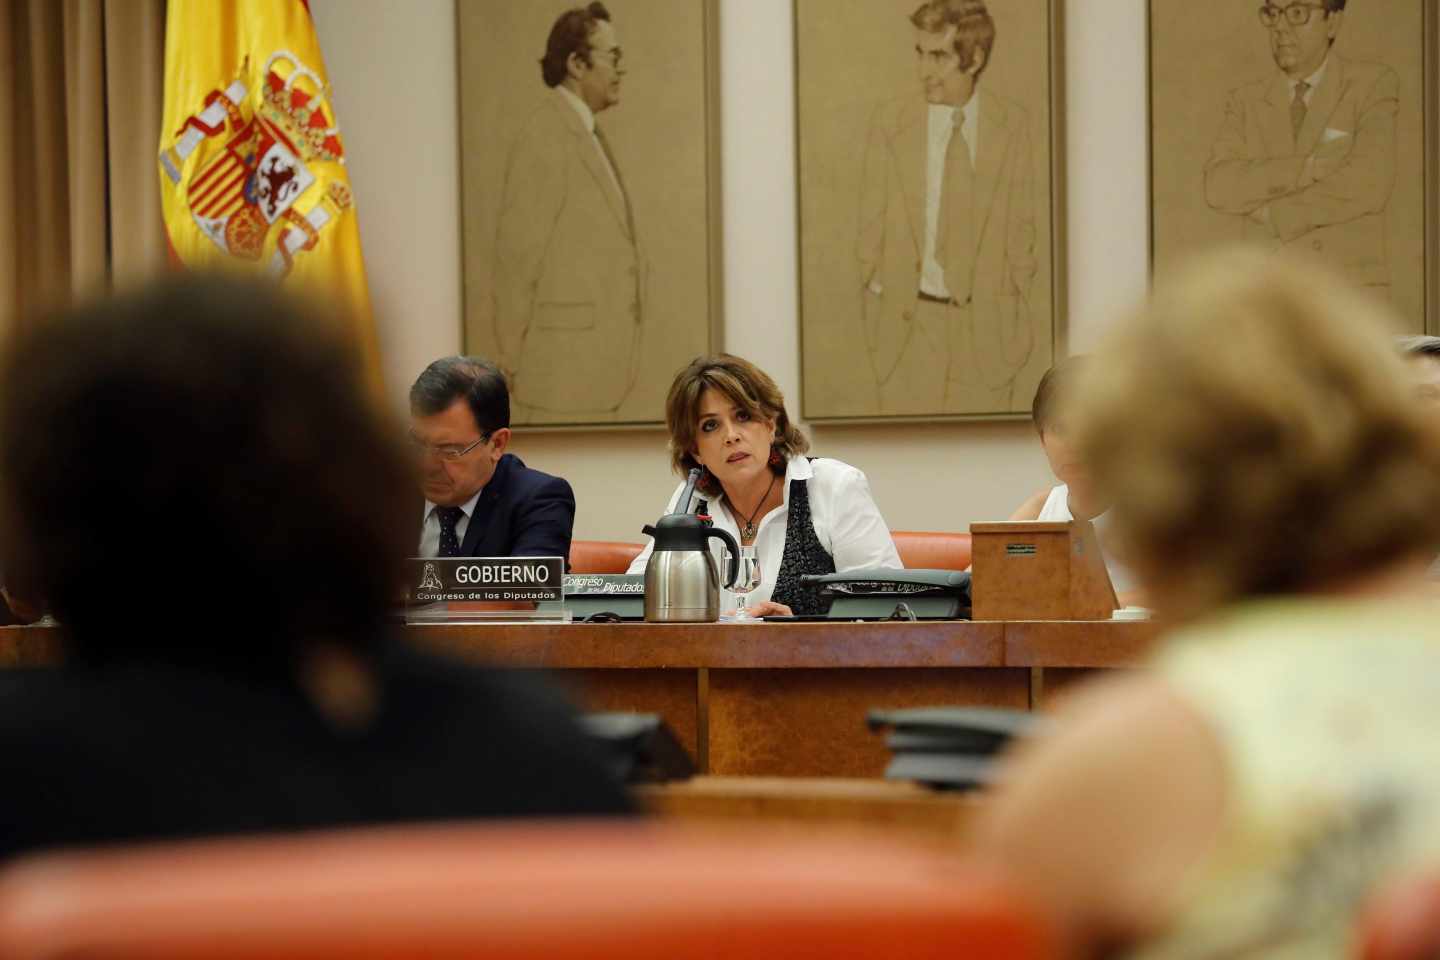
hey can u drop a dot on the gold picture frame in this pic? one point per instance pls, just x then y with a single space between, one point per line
591 260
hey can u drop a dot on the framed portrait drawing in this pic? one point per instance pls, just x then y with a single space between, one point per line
590 193
930 256
1306 126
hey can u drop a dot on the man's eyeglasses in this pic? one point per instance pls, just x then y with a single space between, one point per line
445 451
1297 14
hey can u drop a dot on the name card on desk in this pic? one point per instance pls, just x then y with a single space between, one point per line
487 579
606 596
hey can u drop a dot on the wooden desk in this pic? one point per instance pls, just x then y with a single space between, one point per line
899 809
768 699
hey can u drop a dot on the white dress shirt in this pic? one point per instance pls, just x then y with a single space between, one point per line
941 127
1313 80
846 520
587 117
430 525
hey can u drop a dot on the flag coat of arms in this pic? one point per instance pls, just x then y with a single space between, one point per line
252 165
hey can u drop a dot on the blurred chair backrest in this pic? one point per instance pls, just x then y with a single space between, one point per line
932 551
560 891
1403 922
602 556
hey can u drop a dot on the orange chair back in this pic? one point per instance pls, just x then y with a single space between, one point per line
932 551
597 891
1403 922
602 556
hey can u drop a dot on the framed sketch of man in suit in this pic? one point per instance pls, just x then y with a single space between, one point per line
589 193
1305 134
936 298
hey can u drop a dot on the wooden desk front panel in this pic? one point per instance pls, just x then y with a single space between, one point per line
810 723
781 699
673 694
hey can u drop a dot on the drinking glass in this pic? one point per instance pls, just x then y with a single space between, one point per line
746 581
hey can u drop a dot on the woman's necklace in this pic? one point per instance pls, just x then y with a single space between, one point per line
747 532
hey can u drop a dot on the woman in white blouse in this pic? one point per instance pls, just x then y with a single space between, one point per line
804 516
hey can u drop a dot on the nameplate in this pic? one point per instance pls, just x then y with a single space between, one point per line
605 584
490 579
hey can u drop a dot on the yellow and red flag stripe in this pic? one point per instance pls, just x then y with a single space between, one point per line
252 165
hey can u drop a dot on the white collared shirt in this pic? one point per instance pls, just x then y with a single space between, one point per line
941 127
587 117
846 521
430 525
1313 80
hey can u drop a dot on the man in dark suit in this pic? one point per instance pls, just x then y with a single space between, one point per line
479 500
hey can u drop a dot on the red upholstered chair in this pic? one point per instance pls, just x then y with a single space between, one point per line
502 892
932 551
1403 922
602 556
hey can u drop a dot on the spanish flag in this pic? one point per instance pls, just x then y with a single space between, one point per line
252 166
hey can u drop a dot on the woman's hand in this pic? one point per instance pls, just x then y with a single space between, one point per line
769 608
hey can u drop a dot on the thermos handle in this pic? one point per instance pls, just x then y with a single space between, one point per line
734 554
648 530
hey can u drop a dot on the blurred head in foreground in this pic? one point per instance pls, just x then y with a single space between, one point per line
201 454
1258 436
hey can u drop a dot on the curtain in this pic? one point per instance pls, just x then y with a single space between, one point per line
81 91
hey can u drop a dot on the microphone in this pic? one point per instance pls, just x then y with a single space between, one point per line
688 494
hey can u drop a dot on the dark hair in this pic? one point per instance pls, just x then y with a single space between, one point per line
1056 388
570 34
973 27
479 382
1419 346
205 447
745 385
1331 7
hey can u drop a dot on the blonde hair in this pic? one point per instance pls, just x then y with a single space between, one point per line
746 386
1257 435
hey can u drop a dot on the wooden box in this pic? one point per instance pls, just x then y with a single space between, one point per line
1039 570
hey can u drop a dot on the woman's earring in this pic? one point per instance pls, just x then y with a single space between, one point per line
774 457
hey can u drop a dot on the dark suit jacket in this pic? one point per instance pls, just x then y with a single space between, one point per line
133 750
521 513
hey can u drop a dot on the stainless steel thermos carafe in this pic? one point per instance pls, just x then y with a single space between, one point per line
681 583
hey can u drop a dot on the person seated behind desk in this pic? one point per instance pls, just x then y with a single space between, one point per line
726 416
1075 497
1278 491
191 475
1422 356
479 500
